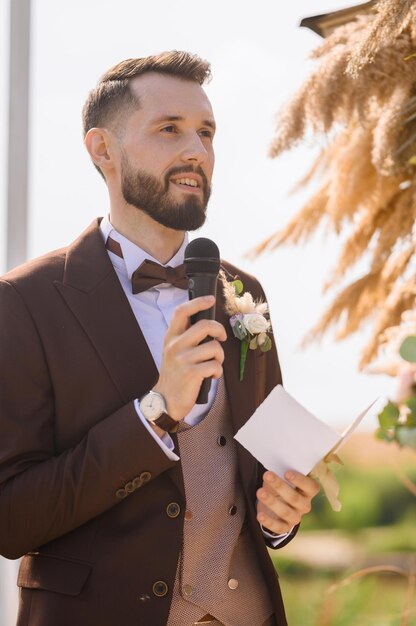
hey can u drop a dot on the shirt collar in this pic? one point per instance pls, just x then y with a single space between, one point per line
133 255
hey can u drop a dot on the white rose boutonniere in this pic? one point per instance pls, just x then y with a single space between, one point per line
247 318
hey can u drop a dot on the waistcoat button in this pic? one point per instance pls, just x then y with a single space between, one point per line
187 589
188 515
233 583
160 588
173 509
232 510
221 441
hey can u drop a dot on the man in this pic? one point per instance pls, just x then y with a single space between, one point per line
121 520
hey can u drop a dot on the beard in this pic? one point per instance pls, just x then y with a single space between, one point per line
148 194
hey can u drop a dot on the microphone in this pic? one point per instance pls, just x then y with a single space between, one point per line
202 264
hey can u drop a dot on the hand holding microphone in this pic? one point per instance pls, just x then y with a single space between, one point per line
189 357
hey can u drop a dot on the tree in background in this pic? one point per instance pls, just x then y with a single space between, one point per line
361 98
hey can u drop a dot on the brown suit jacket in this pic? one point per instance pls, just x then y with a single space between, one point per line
84 489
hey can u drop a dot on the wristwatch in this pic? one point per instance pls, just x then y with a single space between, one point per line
153 408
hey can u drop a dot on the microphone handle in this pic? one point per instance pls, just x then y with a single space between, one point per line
203 285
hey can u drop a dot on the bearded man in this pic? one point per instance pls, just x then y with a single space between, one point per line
121 517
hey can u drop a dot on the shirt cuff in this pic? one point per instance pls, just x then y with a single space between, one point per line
275 539
165 442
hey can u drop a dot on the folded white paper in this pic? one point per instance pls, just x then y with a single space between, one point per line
283 435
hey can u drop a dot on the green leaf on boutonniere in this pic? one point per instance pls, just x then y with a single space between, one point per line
238 286
239 330
243 357
253 343
266 345
408 349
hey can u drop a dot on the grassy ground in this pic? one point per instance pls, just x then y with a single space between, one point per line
370 601
375 529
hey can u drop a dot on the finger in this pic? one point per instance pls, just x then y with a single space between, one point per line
281 508
277 526
205 352
299 483
278 487
304 484
180 318
209 369
195 334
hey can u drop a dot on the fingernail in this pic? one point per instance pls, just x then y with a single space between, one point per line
209 298
269 478
290 475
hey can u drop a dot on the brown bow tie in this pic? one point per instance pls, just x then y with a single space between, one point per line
149 274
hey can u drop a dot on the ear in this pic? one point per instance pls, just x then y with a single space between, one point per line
97 141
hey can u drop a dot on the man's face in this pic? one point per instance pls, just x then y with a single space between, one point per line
166 151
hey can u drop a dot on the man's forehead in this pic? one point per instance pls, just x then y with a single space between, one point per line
166 95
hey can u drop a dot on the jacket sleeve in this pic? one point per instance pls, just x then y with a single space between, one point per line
44 495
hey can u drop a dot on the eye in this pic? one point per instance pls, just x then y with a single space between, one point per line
169 129
207 133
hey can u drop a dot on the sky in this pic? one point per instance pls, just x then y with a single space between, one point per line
259 58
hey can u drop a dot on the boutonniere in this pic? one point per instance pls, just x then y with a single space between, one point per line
247 318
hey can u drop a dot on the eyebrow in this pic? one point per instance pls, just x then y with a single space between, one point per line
178 118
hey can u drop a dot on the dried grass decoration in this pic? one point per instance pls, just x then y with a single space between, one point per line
362 96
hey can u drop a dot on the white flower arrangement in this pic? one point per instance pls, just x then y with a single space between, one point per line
247 319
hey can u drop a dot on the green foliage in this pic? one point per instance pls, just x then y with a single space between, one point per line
408 349
369 499
369 601
396 426
389 416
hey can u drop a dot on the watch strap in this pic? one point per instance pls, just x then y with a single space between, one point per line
166 422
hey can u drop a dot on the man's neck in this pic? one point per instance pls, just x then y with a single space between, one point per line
160 242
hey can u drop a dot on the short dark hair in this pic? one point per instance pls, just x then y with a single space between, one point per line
113 95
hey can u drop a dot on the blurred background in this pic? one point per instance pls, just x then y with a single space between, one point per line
259 58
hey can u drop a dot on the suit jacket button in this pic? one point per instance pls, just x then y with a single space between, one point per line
121 493
129 487
173 509
137 482
232 510
188 515
233 583
160 588
145 477
221 441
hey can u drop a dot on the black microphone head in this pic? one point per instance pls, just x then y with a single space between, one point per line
202 257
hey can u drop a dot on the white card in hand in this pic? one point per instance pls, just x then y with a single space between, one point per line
283 435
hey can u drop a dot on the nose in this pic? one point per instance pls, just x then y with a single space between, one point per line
194 150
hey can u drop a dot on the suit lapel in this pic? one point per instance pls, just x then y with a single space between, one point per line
92 290
94 294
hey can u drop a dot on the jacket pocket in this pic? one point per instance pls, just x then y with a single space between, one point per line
38 571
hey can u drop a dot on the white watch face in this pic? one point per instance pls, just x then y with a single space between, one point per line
152 406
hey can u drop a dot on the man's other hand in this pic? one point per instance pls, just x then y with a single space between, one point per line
281 505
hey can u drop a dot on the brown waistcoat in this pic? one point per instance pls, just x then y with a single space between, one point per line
218 572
